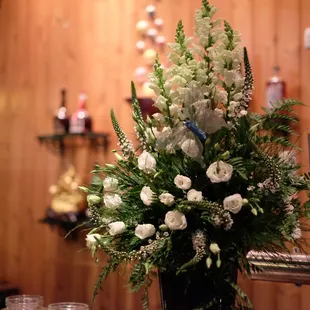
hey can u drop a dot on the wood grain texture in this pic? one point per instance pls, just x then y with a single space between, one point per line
89 45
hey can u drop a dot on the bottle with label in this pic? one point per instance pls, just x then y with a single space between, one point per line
61 120
80 121
275 94
275 89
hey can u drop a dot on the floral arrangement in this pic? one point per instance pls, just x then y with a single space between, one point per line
208 181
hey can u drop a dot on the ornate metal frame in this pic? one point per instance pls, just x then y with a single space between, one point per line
279 267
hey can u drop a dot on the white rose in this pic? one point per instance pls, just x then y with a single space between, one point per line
167 199
146 162
91 241
110 184
296 233
182 182
191 148
161 103
145 231
233 203
214 248
112 201
194 195
116 228
146 195
175 220
219 172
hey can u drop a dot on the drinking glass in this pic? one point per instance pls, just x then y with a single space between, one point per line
24 302
68 306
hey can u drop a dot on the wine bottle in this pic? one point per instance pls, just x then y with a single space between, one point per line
275 90
275 94
80 121
61 120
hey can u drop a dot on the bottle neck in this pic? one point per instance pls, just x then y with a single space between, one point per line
82 102
275 77
63 98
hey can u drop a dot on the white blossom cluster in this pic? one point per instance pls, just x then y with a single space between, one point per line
174 219
209 71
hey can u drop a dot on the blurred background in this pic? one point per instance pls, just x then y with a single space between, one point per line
60 59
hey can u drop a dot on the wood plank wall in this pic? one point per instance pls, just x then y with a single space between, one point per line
89 45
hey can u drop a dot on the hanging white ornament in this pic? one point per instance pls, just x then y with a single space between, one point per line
151 10
159 22
152 33
141 74
142 26
160 41
140 45
150 56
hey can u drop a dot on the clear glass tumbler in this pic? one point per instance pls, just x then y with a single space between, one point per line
68 306
24 302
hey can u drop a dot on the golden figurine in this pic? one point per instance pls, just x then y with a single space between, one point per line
66 196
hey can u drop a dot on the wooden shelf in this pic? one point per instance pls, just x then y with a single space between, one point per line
66 222
61 142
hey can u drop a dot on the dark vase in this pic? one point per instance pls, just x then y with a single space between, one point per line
198 290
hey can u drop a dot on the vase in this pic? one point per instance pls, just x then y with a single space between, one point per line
198 290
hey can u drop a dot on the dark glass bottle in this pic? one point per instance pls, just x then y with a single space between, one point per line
275 89
80 121
61 120
275 94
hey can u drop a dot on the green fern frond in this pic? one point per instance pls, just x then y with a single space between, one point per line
275 126
238 164
241 294
274 140
105 271
283 105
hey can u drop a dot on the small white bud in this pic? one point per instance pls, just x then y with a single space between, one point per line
214 248
254 212
209 262
245 201
93 199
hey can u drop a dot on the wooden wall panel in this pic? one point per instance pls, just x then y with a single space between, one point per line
90 46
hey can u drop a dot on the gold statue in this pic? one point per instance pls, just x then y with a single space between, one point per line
66 196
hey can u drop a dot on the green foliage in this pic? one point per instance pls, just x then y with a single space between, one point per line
124 143
180 35
249 80
241 194
111 266
206 8
140 126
